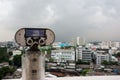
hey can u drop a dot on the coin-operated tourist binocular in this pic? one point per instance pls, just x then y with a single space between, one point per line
33 61
32 37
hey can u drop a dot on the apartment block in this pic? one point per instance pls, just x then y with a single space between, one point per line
63 55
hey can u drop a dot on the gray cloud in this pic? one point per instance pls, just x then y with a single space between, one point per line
92 19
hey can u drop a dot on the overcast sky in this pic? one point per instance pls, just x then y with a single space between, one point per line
91 19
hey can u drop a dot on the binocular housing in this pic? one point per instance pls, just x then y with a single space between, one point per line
34 36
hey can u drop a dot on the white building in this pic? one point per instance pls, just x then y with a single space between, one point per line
56 45
107 44
78 41
79 53
63 55
16 52
87 55
116 44
101 56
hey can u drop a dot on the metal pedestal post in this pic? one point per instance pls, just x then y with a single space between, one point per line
33 65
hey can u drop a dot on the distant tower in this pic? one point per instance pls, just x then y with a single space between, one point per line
80 41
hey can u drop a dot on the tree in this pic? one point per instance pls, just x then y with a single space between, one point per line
84 72
113 63
117 55
109 62
79 61
46 48
51 60
105 62
17 60
4 56
5 70
12 69
82 62
1 73
10 53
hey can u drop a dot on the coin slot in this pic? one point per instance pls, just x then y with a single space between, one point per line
34 71
34 60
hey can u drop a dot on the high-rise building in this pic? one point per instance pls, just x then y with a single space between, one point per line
79 53
80 41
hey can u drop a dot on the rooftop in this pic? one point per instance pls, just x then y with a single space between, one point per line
81 78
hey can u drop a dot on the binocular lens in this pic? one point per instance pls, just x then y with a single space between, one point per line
29 41
42 41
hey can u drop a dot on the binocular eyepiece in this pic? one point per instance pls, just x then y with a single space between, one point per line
34 37
35 41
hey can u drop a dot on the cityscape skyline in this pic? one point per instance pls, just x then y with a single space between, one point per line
92 19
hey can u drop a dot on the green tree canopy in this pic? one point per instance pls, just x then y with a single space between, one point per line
5 70
10 53
109 62
82 62
17 60
105 62
4 56
117 55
